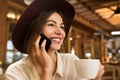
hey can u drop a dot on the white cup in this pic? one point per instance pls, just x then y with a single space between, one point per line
87 68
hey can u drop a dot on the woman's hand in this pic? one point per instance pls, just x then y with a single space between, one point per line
41 60
100 73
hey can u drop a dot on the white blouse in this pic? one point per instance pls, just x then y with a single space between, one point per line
23 69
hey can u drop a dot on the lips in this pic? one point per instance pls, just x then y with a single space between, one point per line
56 39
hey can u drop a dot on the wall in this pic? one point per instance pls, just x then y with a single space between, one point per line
3 29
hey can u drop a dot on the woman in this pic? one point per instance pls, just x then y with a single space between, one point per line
52 18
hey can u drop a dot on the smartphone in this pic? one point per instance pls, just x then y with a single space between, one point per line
48 43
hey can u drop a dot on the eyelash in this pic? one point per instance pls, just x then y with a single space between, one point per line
54 25
62 27
50 24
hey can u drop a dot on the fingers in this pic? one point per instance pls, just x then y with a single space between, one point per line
42 46
37 40
100 73
102 70
37 45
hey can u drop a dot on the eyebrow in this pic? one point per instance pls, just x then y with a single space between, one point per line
53 21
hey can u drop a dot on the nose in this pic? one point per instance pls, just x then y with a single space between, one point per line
58 30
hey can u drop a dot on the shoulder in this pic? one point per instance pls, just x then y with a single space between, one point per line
19 66
18 69
21 63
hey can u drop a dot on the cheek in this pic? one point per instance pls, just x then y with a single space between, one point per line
46 30
64 34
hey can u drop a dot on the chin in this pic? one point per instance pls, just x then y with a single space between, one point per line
57 48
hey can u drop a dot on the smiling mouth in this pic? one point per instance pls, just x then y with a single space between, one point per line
56 39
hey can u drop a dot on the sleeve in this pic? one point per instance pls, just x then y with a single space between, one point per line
15 72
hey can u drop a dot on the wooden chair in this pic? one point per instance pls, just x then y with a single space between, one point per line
112 72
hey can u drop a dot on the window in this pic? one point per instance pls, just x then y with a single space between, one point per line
12 54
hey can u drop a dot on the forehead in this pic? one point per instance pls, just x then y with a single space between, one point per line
55 16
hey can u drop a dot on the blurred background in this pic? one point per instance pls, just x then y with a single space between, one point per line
95 33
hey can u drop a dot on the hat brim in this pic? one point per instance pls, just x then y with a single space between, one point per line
33 10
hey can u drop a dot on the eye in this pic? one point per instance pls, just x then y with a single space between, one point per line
62 26
50 24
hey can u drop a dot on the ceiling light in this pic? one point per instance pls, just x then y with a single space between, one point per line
104 12
11 15
70 38
28 1
115 33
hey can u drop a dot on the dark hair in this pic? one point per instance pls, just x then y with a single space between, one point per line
36 26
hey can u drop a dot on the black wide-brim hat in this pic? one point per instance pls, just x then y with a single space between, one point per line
33 11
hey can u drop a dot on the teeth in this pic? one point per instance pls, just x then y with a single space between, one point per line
56 39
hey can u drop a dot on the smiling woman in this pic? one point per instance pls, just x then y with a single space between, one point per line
53 18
